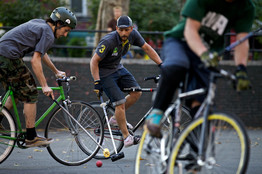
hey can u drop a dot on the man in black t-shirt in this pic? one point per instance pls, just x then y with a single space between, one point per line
111 76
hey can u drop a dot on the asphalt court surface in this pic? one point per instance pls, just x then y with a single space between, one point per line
38 161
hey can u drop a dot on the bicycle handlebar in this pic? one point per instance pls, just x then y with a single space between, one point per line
227 74
132 89
66 79
155 78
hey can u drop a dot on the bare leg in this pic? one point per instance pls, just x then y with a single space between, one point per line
30 114
9 104
121 119
132 98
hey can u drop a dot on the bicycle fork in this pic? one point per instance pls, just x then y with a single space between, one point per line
201 161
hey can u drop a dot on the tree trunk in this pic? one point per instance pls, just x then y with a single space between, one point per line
105 14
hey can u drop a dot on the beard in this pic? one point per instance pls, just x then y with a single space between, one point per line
123 38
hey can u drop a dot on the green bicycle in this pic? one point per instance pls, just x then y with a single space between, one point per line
72 126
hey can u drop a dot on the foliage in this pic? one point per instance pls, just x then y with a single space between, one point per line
148 15
93 7
16 12
75 41
258 18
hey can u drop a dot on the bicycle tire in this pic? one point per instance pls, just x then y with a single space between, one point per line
72 146
8 130
148 158
220 154
107 142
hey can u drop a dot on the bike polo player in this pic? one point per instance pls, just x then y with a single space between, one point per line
37 36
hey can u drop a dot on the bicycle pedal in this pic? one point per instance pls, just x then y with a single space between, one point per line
137 139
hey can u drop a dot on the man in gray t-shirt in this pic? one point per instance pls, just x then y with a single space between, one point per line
111 76
35 36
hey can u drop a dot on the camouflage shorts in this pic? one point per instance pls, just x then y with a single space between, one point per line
14 73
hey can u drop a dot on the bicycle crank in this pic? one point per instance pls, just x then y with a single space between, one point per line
20 141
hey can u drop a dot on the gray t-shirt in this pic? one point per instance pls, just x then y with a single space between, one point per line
35 35
111 49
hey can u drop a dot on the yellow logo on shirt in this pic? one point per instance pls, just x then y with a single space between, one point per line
102 49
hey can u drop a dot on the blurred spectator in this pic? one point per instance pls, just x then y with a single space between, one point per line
111 26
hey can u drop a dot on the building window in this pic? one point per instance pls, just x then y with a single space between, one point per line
79 7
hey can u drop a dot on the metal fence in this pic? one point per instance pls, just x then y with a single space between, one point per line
154 38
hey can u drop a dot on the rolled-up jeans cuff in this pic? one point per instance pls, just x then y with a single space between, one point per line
119 102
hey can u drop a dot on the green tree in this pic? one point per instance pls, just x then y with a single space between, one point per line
149 15
16 12
154 15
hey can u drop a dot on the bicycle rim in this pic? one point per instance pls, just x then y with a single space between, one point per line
150 159
107 141
7 131
226 147
72 146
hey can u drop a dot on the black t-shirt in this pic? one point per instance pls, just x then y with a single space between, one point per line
111 49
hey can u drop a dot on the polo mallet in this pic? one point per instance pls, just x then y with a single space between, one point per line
105 150
116 156
236 43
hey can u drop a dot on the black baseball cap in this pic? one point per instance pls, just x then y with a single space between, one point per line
124 22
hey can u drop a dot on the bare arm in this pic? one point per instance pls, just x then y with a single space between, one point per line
192 36
151 53
241 51
49 63
38 70
94 67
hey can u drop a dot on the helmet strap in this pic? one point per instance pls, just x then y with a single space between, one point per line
58 27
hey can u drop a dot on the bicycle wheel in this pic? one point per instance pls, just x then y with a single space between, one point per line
72 146
117 135
152 154
7 134
226 147
150 157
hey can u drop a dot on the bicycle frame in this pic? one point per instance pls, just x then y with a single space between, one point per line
10 94
204 108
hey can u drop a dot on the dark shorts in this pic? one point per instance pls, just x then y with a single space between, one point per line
113 85
177 53
14 73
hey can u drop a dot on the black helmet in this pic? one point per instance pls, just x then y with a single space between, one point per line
65 15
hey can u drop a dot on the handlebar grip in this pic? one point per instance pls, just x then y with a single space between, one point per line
155 78
72 78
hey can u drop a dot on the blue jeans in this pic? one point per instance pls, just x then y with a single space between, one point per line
179 60
114 83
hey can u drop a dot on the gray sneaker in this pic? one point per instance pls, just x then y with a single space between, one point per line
38 142
113 122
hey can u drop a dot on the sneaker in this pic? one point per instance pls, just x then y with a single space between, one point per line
153 123
131 140
113 122
38 141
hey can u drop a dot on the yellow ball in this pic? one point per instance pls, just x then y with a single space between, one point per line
106 153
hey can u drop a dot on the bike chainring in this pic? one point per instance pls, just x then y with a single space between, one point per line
21 140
